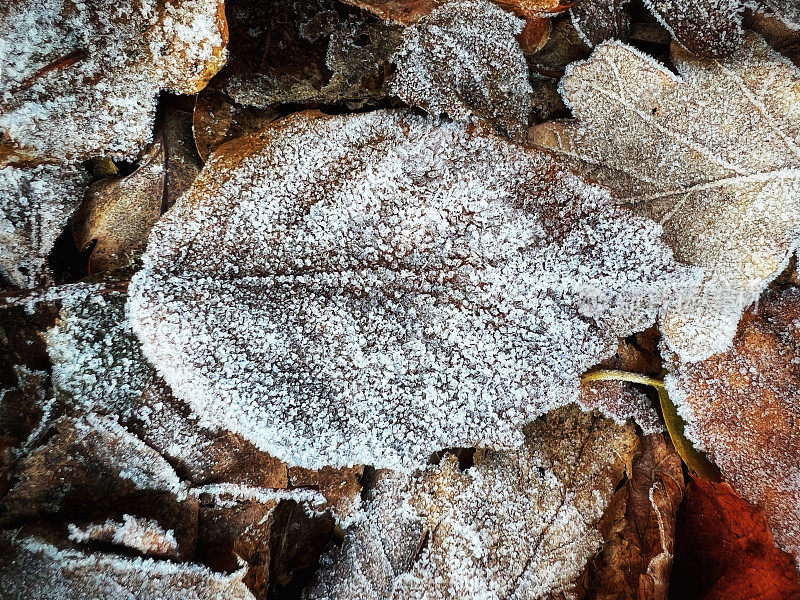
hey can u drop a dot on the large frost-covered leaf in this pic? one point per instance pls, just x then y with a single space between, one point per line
712 154
519 524
742 408
486 74
372 288
81 79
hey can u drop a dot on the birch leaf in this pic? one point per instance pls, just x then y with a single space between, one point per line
487 75
712 154
81 79
741 407
35 203
519 524
372 288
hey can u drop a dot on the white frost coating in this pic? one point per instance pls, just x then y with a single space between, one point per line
35 204
227 495
144 535
713 155
97 363
486 73
369 289
36 570
128 455
518 525
81 79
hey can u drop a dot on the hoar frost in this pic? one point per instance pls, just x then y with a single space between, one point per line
372 288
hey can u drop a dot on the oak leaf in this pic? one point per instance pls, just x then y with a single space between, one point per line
741 407
81 79
518 524
372 288
710 153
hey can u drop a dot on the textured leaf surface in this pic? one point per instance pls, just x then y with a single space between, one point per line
373 288
724 549
81 79
35 203
519 524
741 407
712 154
487 75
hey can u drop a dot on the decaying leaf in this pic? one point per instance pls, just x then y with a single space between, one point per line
741 407
35 203
38 570
372 288
81 79
710 154
600 20
306 53
724 550
518 524
218 120
117 213
639 527
487 75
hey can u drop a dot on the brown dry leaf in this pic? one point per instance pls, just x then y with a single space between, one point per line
518 524
35 204
600 20
711 154
117 213
34 569
217 120
349 333
86 83
724 550
741 407
639 527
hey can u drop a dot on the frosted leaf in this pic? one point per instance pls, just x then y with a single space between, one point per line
97 362
35 203
371 288
32 569
462 60
81 80
137 533
705 27
621 402
741 407
519 524
600 20
711 154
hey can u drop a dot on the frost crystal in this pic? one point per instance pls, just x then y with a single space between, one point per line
137 533
486 74
712 155
517 525
81 79
37 570
371 288
35 204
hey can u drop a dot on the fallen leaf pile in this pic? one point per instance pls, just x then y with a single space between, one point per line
400 299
